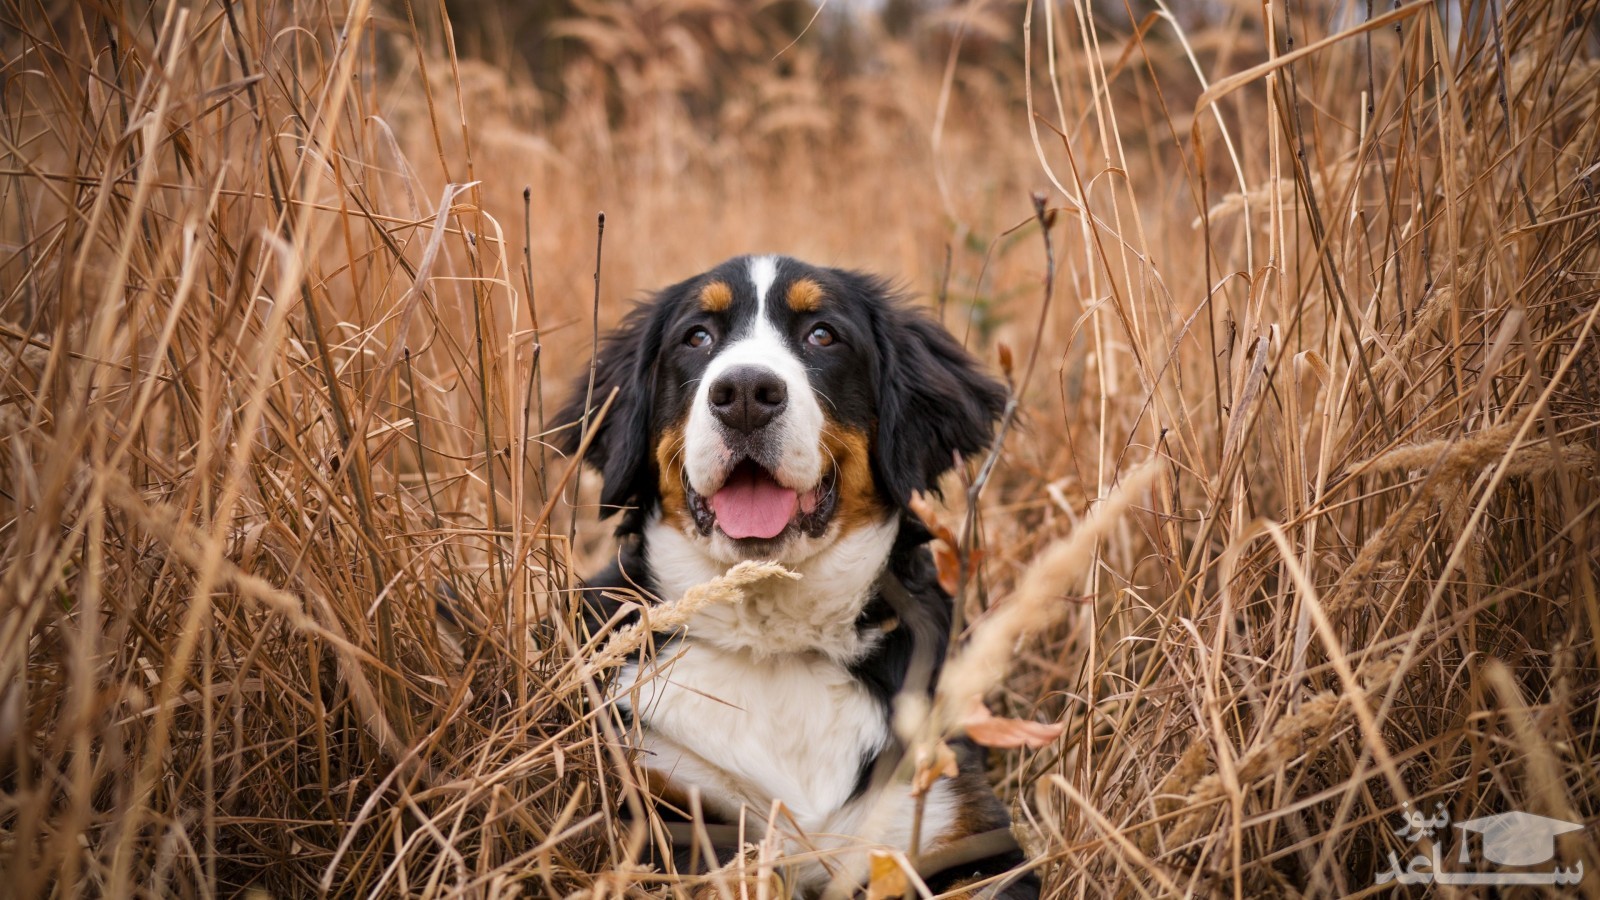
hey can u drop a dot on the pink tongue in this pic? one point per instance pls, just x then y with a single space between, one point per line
752 504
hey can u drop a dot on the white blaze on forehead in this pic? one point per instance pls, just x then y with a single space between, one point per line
763 272
795 436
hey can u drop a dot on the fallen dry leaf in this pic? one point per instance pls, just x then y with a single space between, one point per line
949 567
930 518
944 544
991 730
887 879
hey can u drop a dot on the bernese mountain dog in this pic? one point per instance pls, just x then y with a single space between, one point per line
773 410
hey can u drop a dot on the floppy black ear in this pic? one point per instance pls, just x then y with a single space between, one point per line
933 401
621 449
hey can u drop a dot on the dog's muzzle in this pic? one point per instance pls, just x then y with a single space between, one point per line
752 506
745 399
754 468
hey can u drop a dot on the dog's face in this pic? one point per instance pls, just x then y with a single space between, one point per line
767 407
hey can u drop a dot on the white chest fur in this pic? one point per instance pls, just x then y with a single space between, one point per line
793 727
814 614
796 728
757 704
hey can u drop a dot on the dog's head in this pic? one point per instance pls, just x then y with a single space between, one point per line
768 406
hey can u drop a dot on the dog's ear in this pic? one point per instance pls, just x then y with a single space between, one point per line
621 450
933 400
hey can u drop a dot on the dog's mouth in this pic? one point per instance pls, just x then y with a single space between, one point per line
752 505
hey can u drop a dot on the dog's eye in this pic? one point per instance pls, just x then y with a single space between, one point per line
698 337
820 336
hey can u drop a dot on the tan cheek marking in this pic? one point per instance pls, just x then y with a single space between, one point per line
669 463
716 297
859 503
804 296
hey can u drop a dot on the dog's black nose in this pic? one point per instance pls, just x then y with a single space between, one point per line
746 398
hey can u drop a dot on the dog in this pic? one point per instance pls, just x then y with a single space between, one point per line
773 410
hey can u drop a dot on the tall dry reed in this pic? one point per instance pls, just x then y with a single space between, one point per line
285 290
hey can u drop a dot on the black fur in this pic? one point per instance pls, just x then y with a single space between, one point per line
895 375
629 362
933 402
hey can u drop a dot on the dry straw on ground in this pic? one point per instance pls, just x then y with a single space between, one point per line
277 333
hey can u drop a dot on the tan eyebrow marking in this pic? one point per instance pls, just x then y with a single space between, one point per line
716 297
804 296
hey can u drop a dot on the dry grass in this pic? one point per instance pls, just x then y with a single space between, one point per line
277 332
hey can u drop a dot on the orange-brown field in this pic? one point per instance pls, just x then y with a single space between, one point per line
1298 525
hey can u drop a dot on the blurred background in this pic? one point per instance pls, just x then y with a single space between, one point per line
287 287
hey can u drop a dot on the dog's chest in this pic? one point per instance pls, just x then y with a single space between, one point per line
747 730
